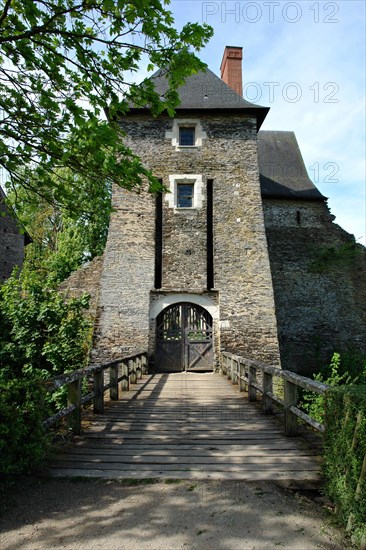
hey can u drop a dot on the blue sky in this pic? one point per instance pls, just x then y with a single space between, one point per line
306 61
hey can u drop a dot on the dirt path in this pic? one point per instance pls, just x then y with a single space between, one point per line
112 515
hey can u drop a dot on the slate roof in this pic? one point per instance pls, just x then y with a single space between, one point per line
281 166
282 170
206 91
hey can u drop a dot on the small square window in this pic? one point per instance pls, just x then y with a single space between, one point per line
187 136
185 195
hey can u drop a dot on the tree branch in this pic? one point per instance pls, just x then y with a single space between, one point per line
5 11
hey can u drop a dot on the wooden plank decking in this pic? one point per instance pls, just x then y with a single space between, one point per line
186 426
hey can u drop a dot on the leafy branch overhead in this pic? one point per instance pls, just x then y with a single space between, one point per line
65 65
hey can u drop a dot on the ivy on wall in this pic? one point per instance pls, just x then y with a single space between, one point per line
328 258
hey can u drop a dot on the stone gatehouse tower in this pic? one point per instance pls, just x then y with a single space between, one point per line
231 256
187 272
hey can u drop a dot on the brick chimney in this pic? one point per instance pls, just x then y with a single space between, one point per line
231 68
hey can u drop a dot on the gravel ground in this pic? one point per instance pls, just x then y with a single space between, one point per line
112 515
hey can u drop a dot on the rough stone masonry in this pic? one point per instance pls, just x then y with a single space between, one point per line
285 285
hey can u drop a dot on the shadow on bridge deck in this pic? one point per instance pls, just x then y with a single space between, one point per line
187 426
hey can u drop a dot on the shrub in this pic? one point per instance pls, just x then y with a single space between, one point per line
23 441
41 334
345 456
333 375
343 411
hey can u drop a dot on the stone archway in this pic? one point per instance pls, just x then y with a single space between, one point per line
184 338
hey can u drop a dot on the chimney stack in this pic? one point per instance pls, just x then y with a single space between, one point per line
231 68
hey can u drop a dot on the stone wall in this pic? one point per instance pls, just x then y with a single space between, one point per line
184 248
242 272
319 279
127 277
228 156
318 296
86 280
11 242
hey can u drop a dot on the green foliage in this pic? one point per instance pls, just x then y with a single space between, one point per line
333 375
23 442
40 331
328 258
345 456
353 365
63 238
65 65
343 411
41 334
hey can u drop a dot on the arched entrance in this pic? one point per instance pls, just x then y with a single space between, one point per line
184 339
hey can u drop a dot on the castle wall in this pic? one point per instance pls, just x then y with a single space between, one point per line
127 277
184 248
319 283
85 280
228 156
242 273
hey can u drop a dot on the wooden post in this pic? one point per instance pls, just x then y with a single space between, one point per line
114 389
138 368
234 371
74 398
361 480
144 364
125 382
252 377
223 363
228 368
290 399
99 391
241 376
267 387
132 371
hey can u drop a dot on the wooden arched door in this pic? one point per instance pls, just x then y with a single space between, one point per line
184 339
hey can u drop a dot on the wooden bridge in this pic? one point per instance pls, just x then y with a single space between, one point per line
189 425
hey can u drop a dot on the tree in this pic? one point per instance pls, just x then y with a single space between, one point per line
66 62
63 238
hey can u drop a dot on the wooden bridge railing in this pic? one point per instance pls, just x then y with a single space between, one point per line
245 373
122 373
